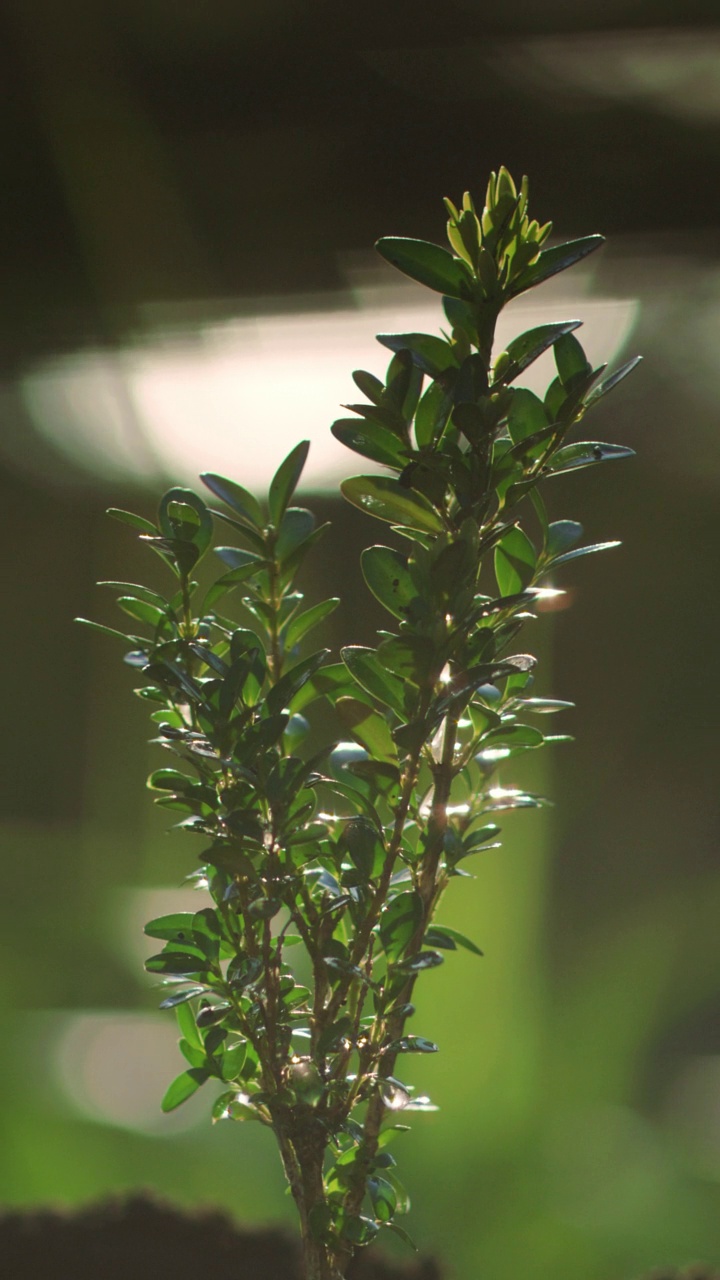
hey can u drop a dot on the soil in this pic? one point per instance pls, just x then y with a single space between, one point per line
142 1238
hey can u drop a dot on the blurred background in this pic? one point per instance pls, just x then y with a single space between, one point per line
189 199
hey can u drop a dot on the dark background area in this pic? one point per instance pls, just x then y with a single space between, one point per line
226 158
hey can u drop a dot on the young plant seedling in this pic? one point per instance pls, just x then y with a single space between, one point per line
294 982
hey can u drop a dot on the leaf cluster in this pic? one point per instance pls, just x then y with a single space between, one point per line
326 868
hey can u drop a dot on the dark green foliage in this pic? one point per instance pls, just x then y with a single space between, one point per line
331 863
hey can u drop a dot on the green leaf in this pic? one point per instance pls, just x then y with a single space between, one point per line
411 658
369 672
607 385
586 454
402 1234
431 354
399 923
561 536
432 414
365 846
304 622
581 551
383 1198
427 263
513 735
414 1044
522 351
183 516
188 1028
423 960
526 415
176 963
173 928
371 440
388 499
440 935
481 836
284 692
285 480
138 592
552 261
388 577
295 527
370 386
331 682
236 498
570 360
135 522
546 705
183 1087
368 728
105 631
515 560
179 997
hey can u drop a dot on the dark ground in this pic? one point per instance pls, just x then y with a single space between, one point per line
142 1238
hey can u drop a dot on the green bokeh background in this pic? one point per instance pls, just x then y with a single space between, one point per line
579 1073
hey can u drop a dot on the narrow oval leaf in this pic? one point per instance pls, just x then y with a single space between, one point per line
368 728
399 923
371 440
129 517
552 261
183 1087
586 454
389 500
388 577
427 263
440 935
582 551
526 416
515 560
304 622
235 497
285 481
369 672
612 381
522 351
431 354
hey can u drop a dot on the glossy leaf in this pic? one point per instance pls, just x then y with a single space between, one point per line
612 381
423 960
285 481
389 500
561 536
431 354
242 503
371 440
369 672
522 351
571 361
515 559
432 414
370 386
440 935
427 263
302 623
135 522
552 261
586 454
581 551
368 728
399 923
175 927
388 577
526 416
183 1087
